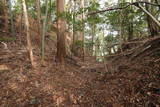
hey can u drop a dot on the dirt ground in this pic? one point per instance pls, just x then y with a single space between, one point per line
121 82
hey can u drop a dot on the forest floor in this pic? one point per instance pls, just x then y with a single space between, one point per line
124 82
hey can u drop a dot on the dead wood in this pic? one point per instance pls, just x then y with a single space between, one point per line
149 45
145 47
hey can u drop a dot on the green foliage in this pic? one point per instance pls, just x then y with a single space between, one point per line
31 7
88 44
113 19
110 38
122 19
117 21
79 44
94 19
51 9
93 6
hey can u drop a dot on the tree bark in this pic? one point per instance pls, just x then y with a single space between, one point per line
74 32
153 24
5 15
130 27
29 44
93 35
11 18
82 17
61 25
38 8
82 32
130 31
44 31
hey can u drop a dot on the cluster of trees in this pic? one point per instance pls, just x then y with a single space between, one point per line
92 26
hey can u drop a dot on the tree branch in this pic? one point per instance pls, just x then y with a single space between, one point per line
149 14
119 8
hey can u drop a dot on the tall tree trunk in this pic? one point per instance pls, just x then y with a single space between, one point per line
21 24
130 26
29 44
5 15
122 21
50 11
74 32
38 7
130 31
44 31
82 17
50 8
11 18
82 32
61 25
93 35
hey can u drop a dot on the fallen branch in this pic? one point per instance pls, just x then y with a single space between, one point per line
135 52
124 43
148 45
141 51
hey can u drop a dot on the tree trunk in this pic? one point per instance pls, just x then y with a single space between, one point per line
61 25
82 17
82 32
5 15
153 28
130 31
93 35
152 25
74 32
130 26
44 31
122 22
38 7
11 18
29 44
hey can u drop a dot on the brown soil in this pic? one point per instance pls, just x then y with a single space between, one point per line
125 83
